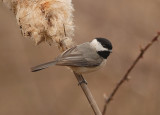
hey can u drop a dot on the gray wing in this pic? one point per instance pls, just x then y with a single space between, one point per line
80 55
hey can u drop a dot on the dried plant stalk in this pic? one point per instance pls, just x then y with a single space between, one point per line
88 94
45 20
49 21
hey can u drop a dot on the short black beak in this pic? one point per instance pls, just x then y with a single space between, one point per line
110 51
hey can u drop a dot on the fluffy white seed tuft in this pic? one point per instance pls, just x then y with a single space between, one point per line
45 20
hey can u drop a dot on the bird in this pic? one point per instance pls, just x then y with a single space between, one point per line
84 58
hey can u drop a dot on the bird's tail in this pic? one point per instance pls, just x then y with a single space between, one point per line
43 66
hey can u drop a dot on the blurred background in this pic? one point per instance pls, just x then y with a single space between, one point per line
129 25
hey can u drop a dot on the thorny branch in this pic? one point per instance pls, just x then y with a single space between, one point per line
125 77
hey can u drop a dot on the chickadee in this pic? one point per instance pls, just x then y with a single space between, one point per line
83 58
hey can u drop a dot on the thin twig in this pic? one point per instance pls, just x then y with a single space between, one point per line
64 29
88 94
125 77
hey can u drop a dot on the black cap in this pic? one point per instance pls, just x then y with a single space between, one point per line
105 43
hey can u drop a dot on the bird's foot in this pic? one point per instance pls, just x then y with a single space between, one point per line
83 81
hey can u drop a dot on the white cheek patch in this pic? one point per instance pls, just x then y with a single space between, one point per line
98 46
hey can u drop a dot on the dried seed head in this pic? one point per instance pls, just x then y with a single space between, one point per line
45 20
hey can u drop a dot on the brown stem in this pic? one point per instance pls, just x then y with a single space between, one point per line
88 94
85 89
125 77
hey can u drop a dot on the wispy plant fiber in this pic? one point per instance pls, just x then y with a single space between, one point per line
45 20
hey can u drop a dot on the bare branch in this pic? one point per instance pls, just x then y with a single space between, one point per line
125 77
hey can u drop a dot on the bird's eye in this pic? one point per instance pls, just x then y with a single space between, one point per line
104 45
